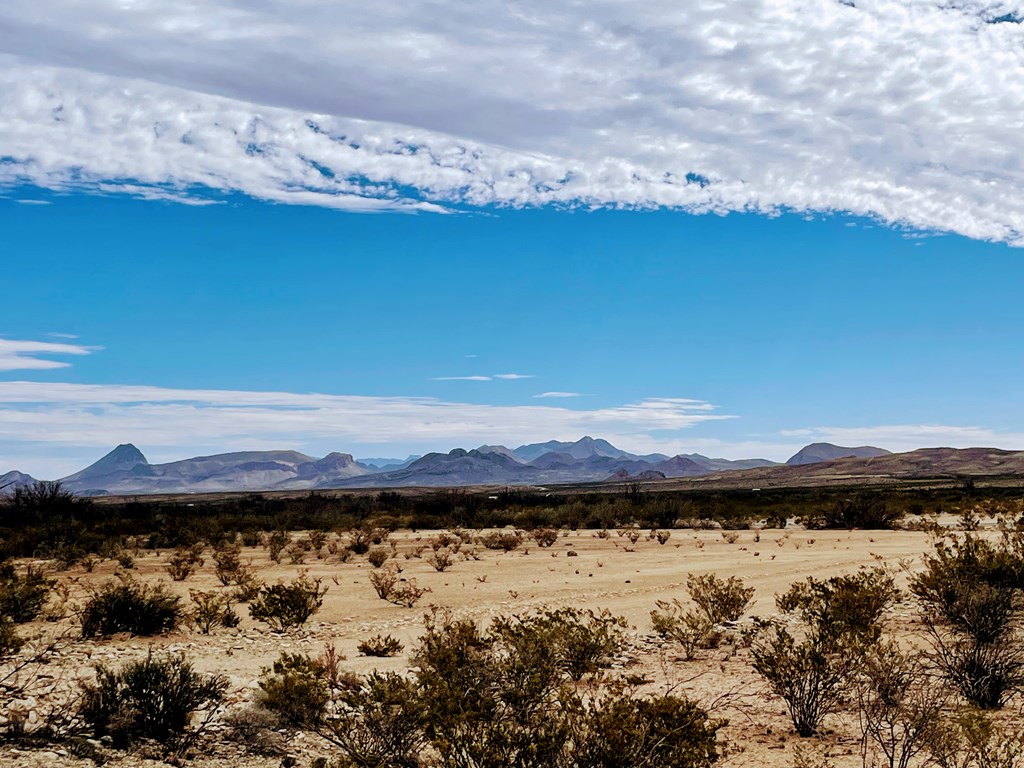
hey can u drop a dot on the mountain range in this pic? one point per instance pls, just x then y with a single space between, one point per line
126 471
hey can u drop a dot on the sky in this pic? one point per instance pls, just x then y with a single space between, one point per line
384 229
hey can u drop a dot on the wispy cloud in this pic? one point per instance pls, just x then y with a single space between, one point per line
36 355
492 377
182 421
902 111
558 394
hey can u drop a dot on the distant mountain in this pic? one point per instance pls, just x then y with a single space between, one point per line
583 448
457 467
818 452
14 479
388 464
125 470
500 449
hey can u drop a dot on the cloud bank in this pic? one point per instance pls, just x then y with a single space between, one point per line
908 111
180 422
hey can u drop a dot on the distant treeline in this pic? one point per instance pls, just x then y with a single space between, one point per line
46 521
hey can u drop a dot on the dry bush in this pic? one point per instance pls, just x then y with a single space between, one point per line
125 605
721 600
227 563
212 610
692 630
440 559
153 698
288 605
544 537
380 646
377 557
184 562
503 540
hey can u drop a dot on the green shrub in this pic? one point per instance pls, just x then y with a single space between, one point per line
721 600
692 630
212 610
227 563
852 605
151 698
127 606
23 597
380 646
295 689
970 596
288 605
865 510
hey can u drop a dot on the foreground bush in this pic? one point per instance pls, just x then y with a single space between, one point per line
970 595
721 600
288 605
502 697
22 597
127 606
153 698
813 667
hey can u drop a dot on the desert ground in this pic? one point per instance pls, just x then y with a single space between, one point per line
603 574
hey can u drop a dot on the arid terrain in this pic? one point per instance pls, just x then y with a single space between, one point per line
582 569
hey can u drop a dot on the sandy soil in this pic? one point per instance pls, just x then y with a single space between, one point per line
603 574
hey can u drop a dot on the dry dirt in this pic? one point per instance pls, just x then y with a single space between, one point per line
602 575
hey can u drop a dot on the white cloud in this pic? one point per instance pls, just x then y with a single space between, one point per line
35 355
500 376
903 110
184 422
558 394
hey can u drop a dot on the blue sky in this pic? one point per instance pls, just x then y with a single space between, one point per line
793 329
397 227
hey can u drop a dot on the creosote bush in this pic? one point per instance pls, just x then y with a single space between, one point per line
377 557
212 610
389 586
505 697
503 540
812 668
288 605
864 510
381 646
721 600
544 537
153 698
971 600
125 605
23 596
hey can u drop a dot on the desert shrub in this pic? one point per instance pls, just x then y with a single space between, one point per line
10 642
359 541
377 557
296 552
276 541
721 600
126 561
730 537
665 731
23 596
582 641
288 605
662 536
850 605
380 646
899 708
247 585
227 563
255 730
379 721
212 610
384 582
544 537
810 674
970 596
295 689
813 669
151 698
692 630
125 605
865 510
503 540
184 562
406 593
973 740
440 559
